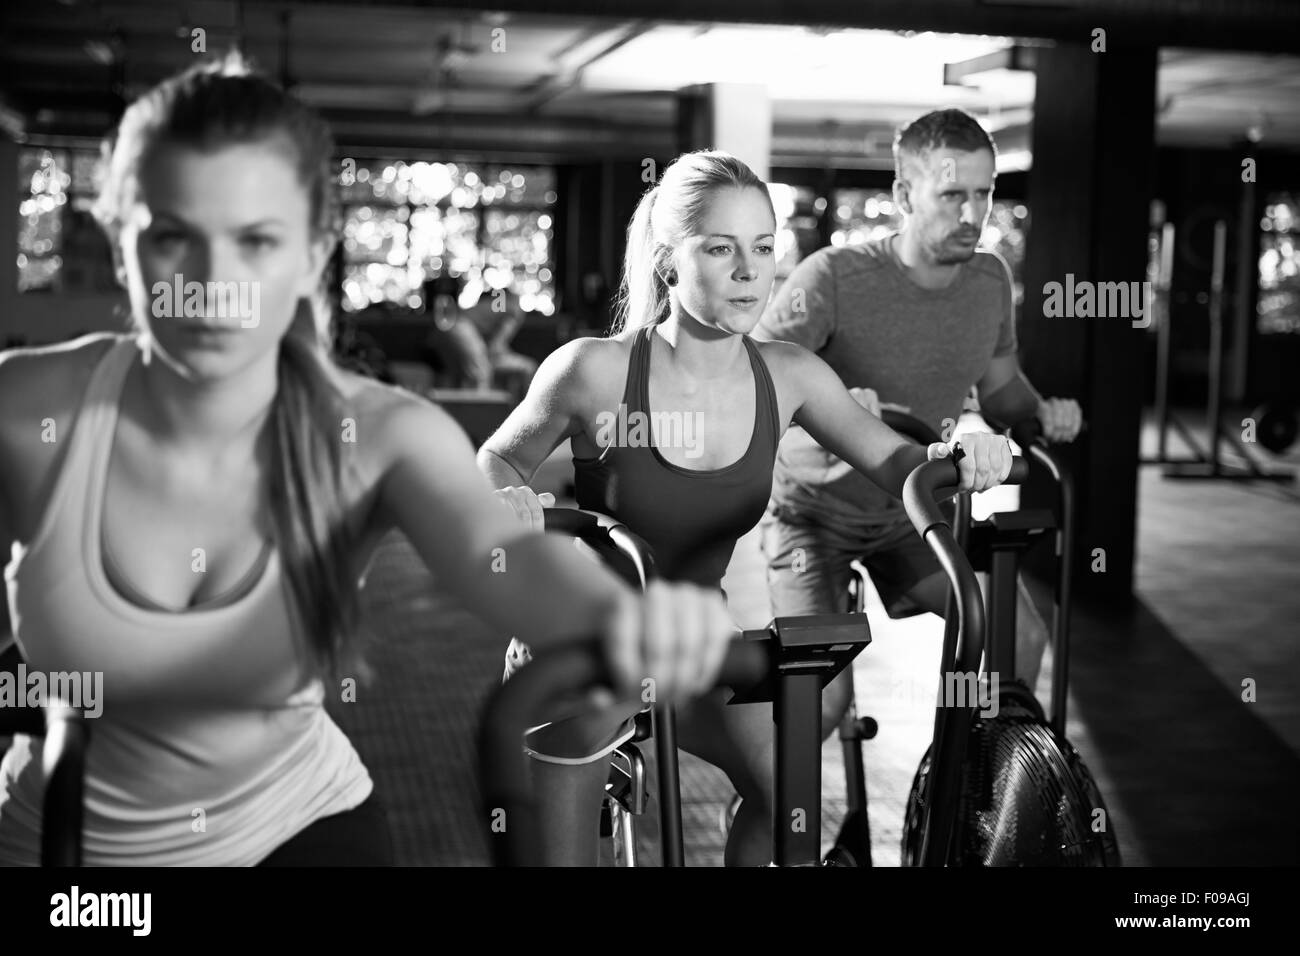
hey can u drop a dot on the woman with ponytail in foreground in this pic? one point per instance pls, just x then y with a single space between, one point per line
674 422
190 506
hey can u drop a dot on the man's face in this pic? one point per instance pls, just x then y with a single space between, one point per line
949 191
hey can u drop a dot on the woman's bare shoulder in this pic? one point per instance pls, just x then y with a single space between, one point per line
374 411
383 417
781 354
49 380
590 365
590 354
40 391
367 394
789 364
23 370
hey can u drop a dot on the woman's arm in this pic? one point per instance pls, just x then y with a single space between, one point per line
843 427
551 412
536 586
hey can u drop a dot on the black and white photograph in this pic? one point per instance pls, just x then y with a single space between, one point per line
841 434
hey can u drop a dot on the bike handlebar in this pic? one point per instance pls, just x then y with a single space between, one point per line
951 724
909 426
613 541
509 806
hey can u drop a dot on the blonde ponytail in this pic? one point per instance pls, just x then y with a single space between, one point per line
643 296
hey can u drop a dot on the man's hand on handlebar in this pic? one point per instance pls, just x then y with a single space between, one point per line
985 463
669 643
1061 418
527 505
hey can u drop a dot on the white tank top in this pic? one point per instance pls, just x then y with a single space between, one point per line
214 746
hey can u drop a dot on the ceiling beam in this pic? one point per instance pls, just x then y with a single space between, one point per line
553 86
1260 25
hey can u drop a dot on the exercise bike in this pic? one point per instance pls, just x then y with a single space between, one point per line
852 845
788 663
1021 794
820 646
626 796
65 734
999 822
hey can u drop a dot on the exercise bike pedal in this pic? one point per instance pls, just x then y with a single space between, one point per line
859 729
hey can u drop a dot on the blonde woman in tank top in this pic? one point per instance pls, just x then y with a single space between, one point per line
697 274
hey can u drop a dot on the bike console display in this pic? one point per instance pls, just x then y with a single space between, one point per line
811 644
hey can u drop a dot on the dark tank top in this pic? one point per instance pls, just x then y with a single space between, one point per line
692 519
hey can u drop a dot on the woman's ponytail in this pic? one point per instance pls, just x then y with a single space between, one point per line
307 496
643 295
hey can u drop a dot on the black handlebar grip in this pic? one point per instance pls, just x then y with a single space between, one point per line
570 520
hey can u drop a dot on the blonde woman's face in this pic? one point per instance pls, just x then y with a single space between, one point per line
725 270
217 251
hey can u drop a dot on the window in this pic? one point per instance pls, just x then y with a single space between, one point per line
1279 266
60 246
491 226
862 214
1005 233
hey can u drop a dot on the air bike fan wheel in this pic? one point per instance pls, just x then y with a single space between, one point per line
1026 797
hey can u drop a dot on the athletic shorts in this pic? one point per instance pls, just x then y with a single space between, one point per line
579 739
808 564
356 837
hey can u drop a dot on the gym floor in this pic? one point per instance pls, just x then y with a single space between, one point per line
1192 774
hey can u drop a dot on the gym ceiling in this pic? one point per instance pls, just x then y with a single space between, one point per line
577 85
